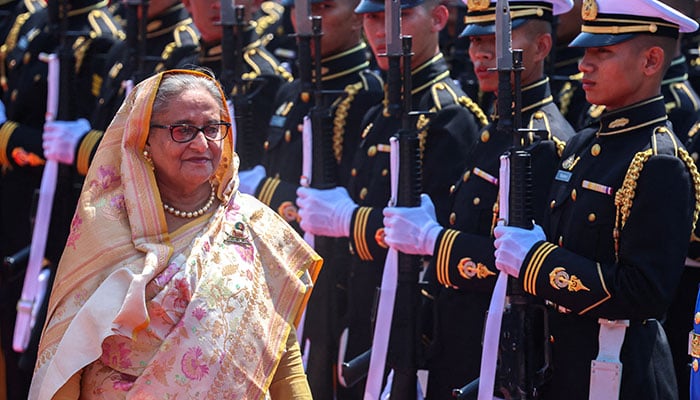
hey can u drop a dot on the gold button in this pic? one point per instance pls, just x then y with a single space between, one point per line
101 100
466 176
385 172
300 128
305 97
573 195
13 95
353 172
440 86
37 77
591 217
27 57
485 136
595 150
697 317
253 51
539 115
695 365
553 204
453 218
287 136
363 193
372 151
452 189
13 63
266 145
476 201
561 241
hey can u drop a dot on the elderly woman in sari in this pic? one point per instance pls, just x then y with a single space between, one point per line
172 283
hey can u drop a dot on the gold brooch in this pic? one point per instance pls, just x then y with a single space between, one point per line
560 279
589 10
239 235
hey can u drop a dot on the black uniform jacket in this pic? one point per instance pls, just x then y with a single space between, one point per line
352 89
92 32
446 138
462 269
621 210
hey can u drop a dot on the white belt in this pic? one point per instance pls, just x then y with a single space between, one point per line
606 369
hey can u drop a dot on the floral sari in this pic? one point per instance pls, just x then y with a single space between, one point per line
139 312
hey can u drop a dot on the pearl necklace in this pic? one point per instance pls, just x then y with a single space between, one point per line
195 213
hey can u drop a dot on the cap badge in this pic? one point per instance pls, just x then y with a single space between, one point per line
589 10
478 5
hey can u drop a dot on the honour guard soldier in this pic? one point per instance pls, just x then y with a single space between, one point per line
90 32
351 89
13 15
262 75
446 137
170 37
462 272
622 207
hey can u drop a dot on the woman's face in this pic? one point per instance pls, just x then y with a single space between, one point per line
184 167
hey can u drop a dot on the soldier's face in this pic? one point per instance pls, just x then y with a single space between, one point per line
420 23
340 25
612 75
206 16
482 51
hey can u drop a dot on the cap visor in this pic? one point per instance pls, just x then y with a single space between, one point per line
488 29
585 39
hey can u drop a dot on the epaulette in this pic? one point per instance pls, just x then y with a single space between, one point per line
184 37
34 5
692 132
256 56
101 26
539 122
10 43
662 138
683 97
273 12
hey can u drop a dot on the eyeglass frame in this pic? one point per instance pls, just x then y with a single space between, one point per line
199 128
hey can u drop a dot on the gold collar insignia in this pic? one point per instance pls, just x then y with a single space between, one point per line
478 5
619 123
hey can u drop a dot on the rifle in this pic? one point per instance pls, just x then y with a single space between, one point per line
398 296
247 141
523 352
136 29
59 105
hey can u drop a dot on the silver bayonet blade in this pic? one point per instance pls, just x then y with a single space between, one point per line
302 12
392 20
504 45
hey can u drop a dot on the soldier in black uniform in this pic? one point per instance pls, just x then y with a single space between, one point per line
13 15
273 24
170 36
262 75
351 90
462 271
622 207
92 33
446 138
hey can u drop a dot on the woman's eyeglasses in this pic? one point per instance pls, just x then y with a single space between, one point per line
183 133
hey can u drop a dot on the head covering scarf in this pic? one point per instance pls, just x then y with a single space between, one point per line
119 242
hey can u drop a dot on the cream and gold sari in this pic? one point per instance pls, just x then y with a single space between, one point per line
140 312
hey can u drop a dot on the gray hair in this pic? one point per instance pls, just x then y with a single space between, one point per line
175 83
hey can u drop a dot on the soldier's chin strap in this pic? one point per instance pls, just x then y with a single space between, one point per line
606 369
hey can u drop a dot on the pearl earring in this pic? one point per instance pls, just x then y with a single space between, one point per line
148 158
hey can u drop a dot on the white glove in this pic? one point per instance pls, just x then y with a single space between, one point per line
412 230
250 179
3 116
512 245
62 137
325 212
